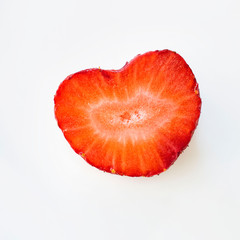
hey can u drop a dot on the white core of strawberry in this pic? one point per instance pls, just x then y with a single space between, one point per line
131 119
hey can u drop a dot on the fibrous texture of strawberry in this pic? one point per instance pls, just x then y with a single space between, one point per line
134 121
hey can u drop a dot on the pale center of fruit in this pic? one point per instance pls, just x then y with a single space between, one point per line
137 118
129 118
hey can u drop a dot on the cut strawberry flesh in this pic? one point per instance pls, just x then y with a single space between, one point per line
138 118
135 121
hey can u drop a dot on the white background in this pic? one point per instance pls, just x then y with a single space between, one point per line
47 191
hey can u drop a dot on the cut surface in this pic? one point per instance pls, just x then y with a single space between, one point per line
134 121
138 118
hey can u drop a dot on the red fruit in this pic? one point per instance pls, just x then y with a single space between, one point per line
134 121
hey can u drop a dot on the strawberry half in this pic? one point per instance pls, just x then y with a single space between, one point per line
134 121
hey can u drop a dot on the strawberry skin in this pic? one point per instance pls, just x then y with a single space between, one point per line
134 121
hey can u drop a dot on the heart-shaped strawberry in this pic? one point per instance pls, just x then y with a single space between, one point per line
134 121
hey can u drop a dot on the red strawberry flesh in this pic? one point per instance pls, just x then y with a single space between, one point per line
134 121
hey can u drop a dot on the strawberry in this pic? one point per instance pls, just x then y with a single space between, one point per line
134 121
